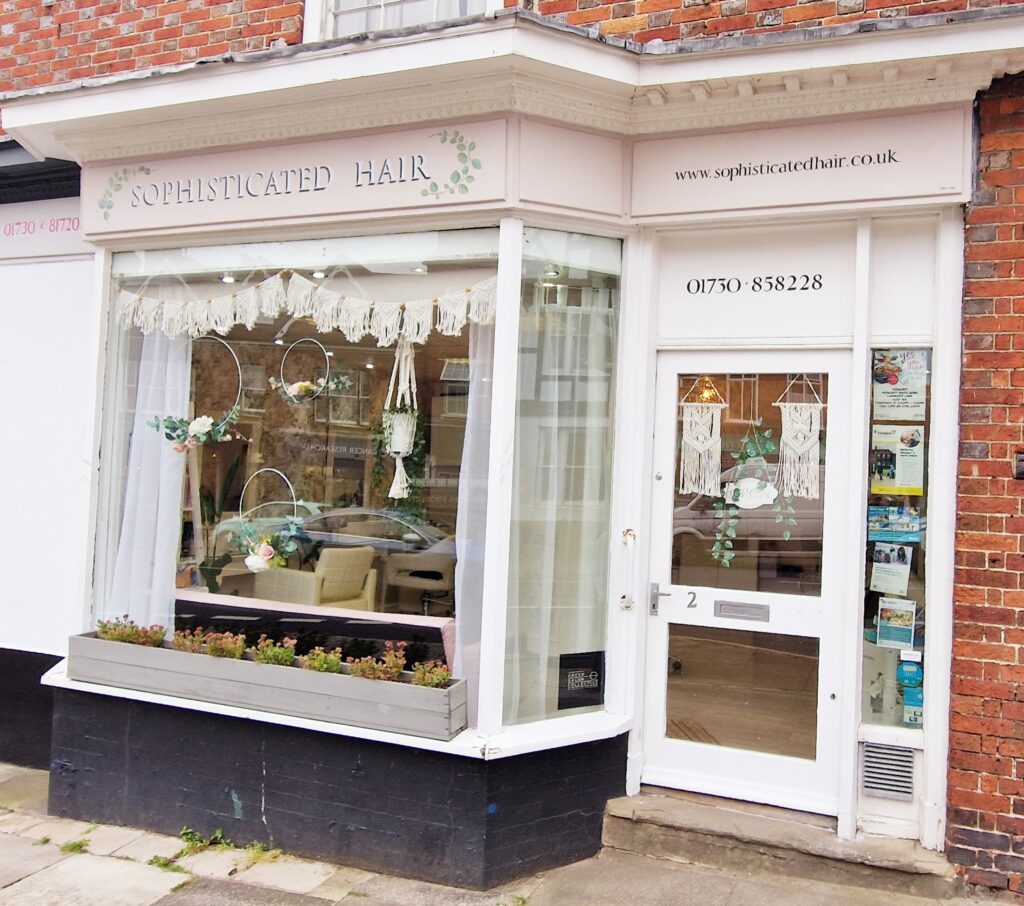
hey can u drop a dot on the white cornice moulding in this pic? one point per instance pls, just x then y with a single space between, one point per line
512 66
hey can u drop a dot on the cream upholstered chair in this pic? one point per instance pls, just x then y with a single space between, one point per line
343 578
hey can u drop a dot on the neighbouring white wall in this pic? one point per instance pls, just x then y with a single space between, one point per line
48 397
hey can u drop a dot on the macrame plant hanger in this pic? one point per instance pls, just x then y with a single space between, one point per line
700 454
400 411
799 446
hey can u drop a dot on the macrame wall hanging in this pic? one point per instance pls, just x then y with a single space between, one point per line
799 446
700 454
399 416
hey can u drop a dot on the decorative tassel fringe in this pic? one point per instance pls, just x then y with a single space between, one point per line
272 295
483 300
386 322
417 320
452 310
400 486
355 318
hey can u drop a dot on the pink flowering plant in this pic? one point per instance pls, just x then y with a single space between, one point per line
185 434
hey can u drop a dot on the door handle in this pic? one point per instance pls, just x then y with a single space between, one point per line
653 596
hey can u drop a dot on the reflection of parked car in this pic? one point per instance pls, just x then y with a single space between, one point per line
264 519
384 530
699 517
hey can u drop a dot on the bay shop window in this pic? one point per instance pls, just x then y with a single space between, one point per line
301 430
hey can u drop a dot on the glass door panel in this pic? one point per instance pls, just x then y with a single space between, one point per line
755 535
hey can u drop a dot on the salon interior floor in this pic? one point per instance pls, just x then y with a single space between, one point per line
744 690
47 861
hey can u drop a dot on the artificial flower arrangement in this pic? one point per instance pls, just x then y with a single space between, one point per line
303 391
185 434
269 551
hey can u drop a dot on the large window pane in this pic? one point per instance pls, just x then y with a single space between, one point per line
306 373
562 479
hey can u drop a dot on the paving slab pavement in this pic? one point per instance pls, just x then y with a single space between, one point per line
85 880
21 857
115 870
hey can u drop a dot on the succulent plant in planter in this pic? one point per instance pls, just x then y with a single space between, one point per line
189 641
431 673
122 629
267 651
322 661
225 644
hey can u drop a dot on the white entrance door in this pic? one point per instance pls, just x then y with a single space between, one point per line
744 656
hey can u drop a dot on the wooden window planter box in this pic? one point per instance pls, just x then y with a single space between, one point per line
397 707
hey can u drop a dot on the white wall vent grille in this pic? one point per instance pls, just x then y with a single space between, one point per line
887 771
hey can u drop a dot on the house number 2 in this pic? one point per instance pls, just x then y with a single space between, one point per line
692 599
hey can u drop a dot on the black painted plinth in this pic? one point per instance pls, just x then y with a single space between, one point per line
399 810
26 708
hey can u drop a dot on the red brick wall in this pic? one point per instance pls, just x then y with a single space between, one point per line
77 39
672 20
986 766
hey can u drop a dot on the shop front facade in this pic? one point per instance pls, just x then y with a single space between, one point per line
630 400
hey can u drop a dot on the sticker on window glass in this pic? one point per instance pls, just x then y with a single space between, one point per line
580 680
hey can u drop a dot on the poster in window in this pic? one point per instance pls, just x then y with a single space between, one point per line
896 623
890 568
897 459
900 380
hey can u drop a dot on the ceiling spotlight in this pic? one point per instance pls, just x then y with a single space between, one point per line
551 271
330 353
319 275
227 278
420 269
369 366
549 285
279 342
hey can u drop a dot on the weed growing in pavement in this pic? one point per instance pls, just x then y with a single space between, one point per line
165 863
75 846
195 842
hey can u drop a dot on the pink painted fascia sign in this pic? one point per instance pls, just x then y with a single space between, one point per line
909 156
424 168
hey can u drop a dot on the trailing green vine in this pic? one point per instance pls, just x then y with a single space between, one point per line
749 463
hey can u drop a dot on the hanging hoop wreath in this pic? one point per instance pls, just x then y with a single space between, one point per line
299 392
269 550
203 429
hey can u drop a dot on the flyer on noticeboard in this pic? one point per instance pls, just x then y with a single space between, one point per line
901 524
890 568
897 459
896 623
901 381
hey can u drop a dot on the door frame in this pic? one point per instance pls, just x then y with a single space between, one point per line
822 615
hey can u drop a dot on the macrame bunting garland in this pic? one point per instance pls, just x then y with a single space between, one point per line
399 417
291 293
799 445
